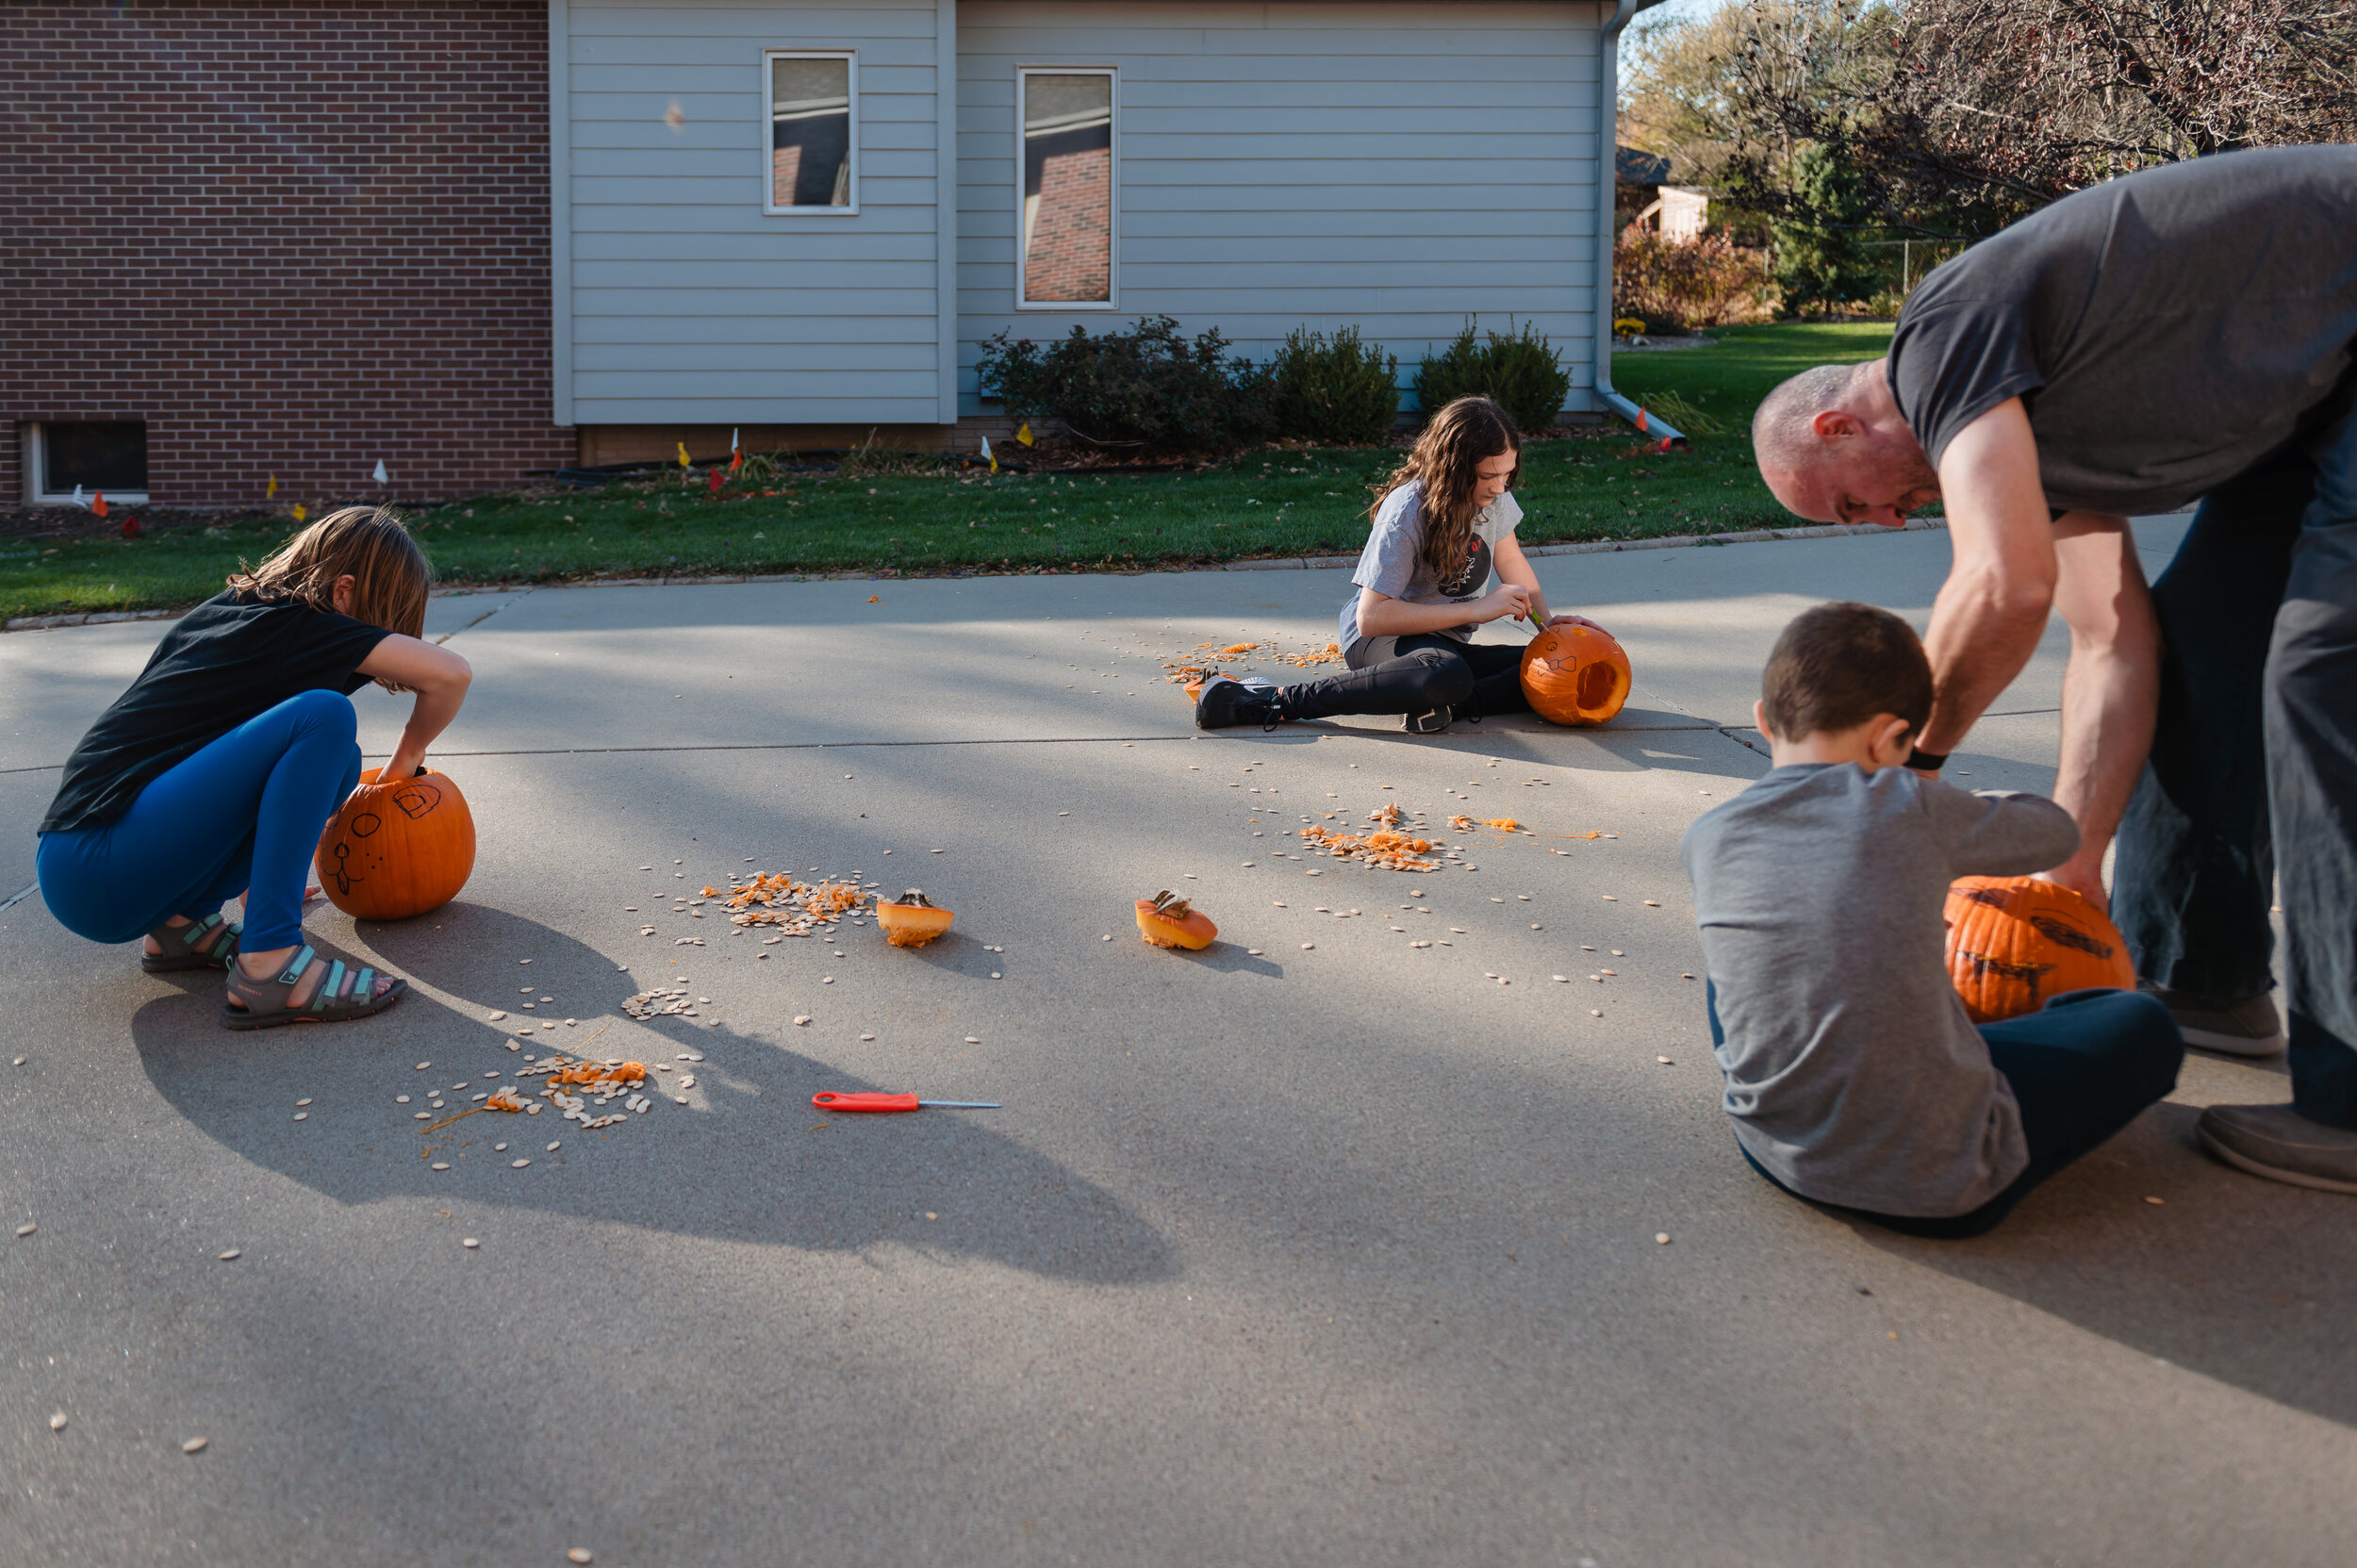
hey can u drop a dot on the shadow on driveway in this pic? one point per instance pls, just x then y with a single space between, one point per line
2242 1279
750 1161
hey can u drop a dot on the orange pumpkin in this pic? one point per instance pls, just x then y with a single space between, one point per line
913 922
2015 943
1575 674
1168 920
398 849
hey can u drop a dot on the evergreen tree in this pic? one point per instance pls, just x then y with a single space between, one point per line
1819 261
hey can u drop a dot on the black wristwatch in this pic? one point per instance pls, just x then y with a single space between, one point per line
1929 762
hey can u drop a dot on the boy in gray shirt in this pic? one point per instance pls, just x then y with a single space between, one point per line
1854 1075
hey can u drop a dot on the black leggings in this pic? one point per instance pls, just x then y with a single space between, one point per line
1416 674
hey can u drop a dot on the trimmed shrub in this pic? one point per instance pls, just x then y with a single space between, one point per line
1143 388
1522 374
1336 392
1670 283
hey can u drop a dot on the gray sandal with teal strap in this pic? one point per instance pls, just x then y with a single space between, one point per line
185 947
344 994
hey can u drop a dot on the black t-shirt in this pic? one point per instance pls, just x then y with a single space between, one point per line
229 660
2166 330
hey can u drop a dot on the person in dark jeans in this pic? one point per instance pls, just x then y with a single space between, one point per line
2252 784
1854 1075
1446 518
2184 333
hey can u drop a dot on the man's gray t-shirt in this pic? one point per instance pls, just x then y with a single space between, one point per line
1853 1073
1393 562
2166 330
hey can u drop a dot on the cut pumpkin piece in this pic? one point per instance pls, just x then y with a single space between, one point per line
1168 920
913 921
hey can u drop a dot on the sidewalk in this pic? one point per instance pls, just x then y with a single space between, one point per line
1341 1251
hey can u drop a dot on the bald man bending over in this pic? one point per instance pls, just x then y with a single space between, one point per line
2179 335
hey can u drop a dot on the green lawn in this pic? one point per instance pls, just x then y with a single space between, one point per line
1601 485
1727 380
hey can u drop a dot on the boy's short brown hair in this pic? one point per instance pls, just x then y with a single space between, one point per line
1839 665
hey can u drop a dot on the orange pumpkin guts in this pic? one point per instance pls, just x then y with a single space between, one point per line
2015 943
1575 674
398 849
1168 920
913 922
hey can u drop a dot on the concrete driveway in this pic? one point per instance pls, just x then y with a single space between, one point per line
1334 1243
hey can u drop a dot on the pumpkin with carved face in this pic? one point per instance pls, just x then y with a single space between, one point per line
1575 674
398 850
2016 943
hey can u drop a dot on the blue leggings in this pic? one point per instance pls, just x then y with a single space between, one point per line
243 815
2082 1067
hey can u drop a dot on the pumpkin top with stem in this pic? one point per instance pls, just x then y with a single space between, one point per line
1170 906
914 898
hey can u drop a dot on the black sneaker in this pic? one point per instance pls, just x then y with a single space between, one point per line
2251 1027
1430 723
1224 701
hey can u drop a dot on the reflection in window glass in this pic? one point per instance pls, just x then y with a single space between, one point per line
1068 188
810 136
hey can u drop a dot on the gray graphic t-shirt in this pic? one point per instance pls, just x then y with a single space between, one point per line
1392 564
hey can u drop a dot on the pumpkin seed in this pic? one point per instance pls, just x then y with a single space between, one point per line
1662 1238
470 1244
518 1164
232 1255
26 1229
195 1445
439 1165
56 1422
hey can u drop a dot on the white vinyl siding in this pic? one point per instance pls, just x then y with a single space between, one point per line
1392 166
691 303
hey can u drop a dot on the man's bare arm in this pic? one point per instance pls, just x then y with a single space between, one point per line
2110 690
1988 619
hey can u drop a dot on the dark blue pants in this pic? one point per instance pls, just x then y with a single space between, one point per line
243 815
1416 674
2253 782
2082 1067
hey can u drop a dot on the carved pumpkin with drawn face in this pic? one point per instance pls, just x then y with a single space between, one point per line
1575 674
397 851
2016 943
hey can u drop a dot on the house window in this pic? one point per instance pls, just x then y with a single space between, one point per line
108 458
1067 218
814 145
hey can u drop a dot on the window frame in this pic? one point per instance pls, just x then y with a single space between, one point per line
32 451
769 208
1111 301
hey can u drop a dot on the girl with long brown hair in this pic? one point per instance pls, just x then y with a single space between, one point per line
214 773
1442 522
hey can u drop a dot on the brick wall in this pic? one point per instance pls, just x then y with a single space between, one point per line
294 237
1070 256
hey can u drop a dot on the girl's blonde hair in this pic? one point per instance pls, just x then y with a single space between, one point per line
1444 459
369 544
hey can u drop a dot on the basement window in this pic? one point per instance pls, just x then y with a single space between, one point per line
104 457
813 137
1066 147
